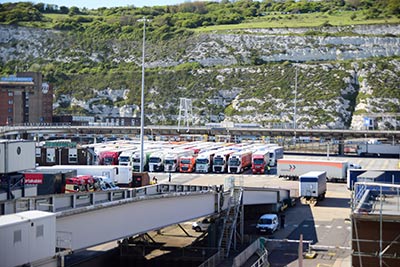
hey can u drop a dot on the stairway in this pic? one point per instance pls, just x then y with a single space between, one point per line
230 224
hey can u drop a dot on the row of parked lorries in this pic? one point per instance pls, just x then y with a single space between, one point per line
195 157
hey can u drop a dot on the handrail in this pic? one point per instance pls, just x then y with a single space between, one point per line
65 202
214 260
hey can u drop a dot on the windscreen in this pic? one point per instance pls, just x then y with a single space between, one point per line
123 159
185 161
258 161
234 162
201 161
265 221
219 161
170 161
108 161
154 160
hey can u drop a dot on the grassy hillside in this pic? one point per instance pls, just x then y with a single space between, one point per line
317 19
100 49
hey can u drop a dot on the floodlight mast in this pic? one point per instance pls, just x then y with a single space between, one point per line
142 99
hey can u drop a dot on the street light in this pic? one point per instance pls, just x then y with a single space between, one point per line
295 108
142 99
295 102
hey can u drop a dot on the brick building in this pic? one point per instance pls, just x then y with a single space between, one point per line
25 98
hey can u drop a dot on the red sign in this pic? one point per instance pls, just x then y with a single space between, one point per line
33 178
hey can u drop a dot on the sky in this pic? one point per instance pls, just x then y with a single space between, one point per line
92 4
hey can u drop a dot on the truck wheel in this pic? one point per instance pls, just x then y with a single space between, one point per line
197 229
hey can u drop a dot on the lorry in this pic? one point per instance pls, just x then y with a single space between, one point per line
121 175
220 160
156 161
136 159
312 185
125 158
188 164
335 170
239 161
259 161
76 184
378 149
275 153
204 161
173 158
109 157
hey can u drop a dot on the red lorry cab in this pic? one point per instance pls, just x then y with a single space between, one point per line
187 164
109 158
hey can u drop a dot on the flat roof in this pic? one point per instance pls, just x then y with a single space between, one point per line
17 218
372 202
371 174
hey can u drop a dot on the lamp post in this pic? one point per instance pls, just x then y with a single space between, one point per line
295 102
295 108
142 100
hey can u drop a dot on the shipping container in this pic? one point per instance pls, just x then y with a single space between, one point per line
16 155
27 237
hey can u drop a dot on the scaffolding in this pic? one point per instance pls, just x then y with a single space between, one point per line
375 224
185 108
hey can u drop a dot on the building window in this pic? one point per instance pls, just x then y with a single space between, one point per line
9 110
10 101
10 93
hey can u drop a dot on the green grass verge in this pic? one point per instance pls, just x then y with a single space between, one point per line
302 20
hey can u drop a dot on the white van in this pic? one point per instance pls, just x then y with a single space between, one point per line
201 226
268 223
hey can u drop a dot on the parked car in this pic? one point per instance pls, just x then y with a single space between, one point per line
268 223
201 226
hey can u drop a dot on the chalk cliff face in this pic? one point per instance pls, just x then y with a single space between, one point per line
245 77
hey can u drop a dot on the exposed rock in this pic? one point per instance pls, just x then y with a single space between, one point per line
225 58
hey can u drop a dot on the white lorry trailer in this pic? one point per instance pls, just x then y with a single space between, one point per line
312 185
378 149
335 170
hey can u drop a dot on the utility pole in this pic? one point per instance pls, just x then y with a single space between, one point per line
142 99
295 108
295 101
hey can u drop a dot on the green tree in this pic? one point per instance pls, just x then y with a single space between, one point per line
74 11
